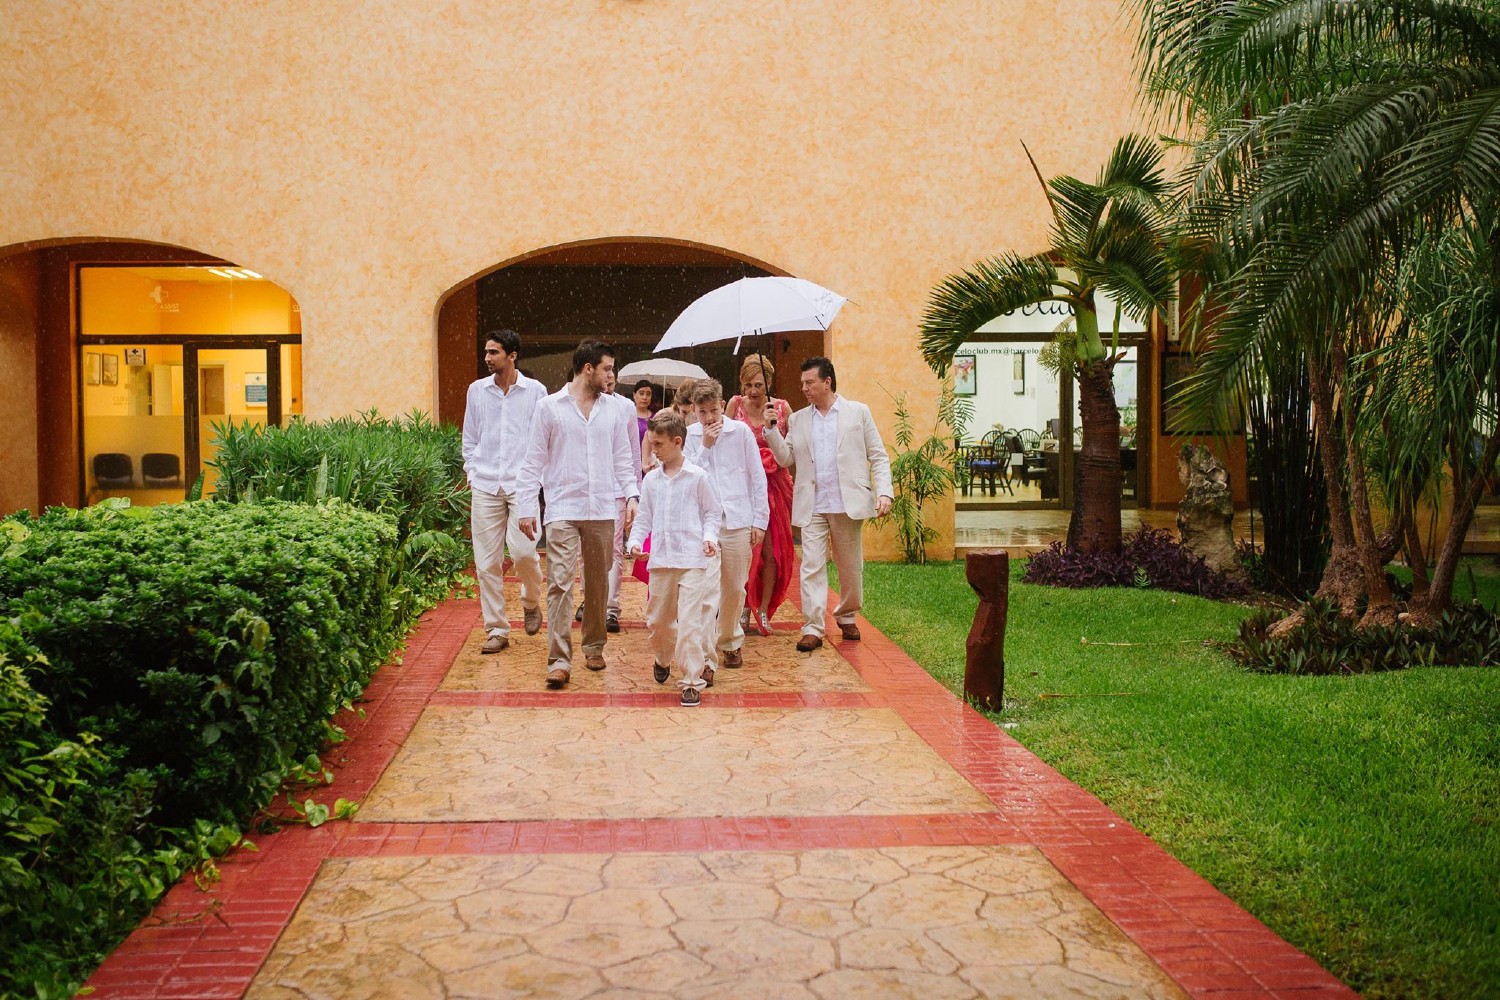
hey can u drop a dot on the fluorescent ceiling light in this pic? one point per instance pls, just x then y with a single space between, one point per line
249 273
222 274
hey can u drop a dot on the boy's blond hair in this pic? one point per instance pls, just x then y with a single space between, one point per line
708 390
668 422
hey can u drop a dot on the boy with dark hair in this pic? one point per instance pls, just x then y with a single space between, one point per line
497 430
680 509
580 454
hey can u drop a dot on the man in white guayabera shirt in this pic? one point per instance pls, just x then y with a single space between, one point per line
497 431
727 451
842 478
580 454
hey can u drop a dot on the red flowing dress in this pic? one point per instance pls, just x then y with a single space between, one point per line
779 493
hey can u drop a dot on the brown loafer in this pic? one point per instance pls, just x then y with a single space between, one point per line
733 658
708 677
557 677
494 644
850 631
594 662
808 642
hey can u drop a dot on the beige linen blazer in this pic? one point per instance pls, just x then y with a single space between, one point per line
864 467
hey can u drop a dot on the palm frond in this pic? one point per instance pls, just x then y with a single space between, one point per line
965 301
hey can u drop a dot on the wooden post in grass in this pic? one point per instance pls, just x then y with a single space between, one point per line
988 572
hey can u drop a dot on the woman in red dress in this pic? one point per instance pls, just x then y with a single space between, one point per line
771 563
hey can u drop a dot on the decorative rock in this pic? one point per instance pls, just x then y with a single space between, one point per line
988 572
1205 517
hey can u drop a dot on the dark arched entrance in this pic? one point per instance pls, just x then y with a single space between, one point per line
625 291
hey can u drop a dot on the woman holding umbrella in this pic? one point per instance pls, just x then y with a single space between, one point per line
771 563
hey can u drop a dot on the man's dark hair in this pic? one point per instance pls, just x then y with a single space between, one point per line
591 352
825 370
509 340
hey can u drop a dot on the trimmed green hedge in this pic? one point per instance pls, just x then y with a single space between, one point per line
209 641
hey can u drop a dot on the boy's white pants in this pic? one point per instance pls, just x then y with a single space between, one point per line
678 616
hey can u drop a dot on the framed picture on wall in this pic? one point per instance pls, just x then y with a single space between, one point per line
965 380
93 367
110 374
1018 374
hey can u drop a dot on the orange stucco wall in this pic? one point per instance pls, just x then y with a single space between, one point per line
369 158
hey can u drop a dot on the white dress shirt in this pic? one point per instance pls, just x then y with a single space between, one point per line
738 475
627 405
497 430
582 462
828 498
681 512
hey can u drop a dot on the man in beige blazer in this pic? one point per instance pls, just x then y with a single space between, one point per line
842 477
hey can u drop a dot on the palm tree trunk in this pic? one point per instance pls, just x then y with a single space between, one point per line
1342 579
1096 509
1381 609
1465 499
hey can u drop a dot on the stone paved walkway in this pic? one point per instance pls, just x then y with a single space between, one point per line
824 826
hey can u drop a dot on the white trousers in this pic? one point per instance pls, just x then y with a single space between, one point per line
724 588
617 558
677 615
845 536
493 527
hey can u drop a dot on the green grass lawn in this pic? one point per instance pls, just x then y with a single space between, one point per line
1359 817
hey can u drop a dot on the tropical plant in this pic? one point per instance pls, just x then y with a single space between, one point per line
1110 236
1329 134
923 473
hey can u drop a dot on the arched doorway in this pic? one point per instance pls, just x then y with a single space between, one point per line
135 351
625 291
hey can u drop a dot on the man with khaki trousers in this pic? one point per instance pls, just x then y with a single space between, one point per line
580 454
841 478
497 430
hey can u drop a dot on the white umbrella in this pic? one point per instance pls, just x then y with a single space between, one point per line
750 307
659 370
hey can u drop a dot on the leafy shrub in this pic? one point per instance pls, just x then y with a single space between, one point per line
1149 558
410 468
209 643
1325 642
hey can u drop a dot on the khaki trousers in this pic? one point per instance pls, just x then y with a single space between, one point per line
567 542
677 615
493 527
724 585
845 536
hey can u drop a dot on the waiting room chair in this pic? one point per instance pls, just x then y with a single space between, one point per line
113 470
161 470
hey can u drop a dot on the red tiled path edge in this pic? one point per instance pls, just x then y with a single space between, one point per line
211 944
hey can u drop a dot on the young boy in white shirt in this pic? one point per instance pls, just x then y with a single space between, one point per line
681 512
727 451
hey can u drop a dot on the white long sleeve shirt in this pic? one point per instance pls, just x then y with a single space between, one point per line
734 464
628 407
582 462
497 431
680 512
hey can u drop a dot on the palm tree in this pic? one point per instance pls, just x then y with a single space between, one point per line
1331 134
1112 236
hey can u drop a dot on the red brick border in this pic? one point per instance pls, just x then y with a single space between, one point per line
211 944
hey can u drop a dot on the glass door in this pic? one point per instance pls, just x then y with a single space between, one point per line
1015 448
238 385
133 422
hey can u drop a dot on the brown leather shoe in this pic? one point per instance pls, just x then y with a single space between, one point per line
594 662
708 676
557 677
494 644
850 631
733 658
808 642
